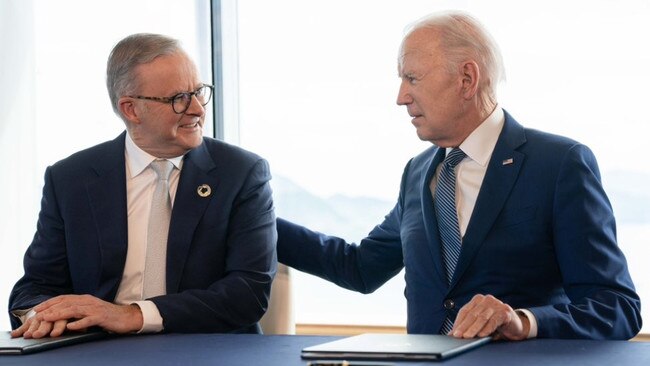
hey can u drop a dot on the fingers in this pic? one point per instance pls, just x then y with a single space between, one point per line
82 324
53 301
481 317
18 332
38 329
51 317
72 312
58 328
68 307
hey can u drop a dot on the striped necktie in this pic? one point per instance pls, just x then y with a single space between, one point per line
445 207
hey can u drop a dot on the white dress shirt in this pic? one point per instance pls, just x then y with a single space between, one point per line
478 147
140 185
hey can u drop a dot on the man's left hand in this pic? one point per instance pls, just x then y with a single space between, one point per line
486 315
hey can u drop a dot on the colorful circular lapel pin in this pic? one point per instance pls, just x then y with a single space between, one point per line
204 190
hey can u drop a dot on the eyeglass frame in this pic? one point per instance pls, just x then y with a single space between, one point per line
170 100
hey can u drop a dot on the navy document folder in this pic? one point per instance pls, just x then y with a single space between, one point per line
372 346
21 346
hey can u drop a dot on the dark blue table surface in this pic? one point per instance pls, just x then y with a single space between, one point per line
258 350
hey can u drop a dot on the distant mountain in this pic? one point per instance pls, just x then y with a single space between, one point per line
353 217
348 217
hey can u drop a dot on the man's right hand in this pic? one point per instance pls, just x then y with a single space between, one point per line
486 315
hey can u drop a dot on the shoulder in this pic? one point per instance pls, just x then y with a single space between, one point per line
227 154
538 144
516 136
556 149
541 139
223 150
227 157
548 152
105 154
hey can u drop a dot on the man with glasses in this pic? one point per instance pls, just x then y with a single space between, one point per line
161 229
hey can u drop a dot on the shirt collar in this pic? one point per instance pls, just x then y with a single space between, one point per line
138 160
479 145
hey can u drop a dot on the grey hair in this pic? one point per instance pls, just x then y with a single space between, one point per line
464 37
134 50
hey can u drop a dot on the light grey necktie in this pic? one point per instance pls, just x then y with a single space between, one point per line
157 232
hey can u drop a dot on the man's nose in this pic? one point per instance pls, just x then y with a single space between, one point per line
403 96
195 107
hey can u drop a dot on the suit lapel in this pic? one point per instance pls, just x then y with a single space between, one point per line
429 215
188 209
107 196
501 175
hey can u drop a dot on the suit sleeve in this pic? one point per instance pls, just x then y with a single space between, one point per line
45 262
603 302
363 268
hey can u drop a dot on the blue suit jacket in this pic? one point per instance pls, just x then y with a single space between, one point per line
541 236
221 249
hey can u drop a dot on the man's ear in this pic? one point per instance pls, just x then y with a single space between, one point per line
127 108
471 75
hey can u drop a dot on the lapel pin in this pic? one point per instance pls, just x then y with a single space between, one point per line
204 190
507 161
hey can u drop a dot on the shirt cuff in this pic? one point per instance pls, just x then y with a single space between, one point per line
24 314
152 322
532 332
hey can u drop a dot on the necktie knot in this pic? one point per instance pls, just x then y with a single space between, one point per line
454 157
163 168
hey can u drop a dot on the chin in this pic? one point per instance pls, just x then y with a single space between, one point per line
194 139
422 135
194 144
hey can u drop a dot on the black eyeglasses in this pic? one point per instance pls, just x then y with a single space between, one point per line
181 101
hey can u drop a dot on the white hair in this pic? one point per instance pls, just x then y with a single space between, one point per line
463 37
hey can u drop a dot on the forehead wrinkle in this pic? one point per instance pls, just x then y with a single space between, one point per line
417 57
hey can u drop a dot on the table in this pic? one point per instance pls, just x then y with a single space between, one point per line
262 350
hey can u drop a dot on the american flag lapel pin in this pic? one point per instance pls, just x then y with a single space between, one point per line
507 161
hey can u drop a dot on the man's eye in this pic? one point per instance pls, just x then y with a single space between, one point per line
183 97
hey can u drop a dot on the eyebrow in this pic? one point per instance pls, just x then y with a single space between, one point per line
197 86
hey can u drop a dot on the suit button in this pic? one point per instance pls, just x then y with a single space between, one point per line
449 304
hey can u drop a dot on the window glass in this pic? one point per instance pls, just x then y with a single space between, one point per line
318 84
53 99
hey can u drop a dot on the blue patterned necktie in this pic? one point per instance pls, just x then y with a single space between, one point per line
445 206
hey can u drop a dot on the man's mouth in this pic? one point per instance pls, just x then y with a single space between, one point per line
414 114
190 125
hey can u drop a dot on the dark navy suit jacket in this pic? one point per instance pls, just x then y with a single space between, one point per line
542 236
221 249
